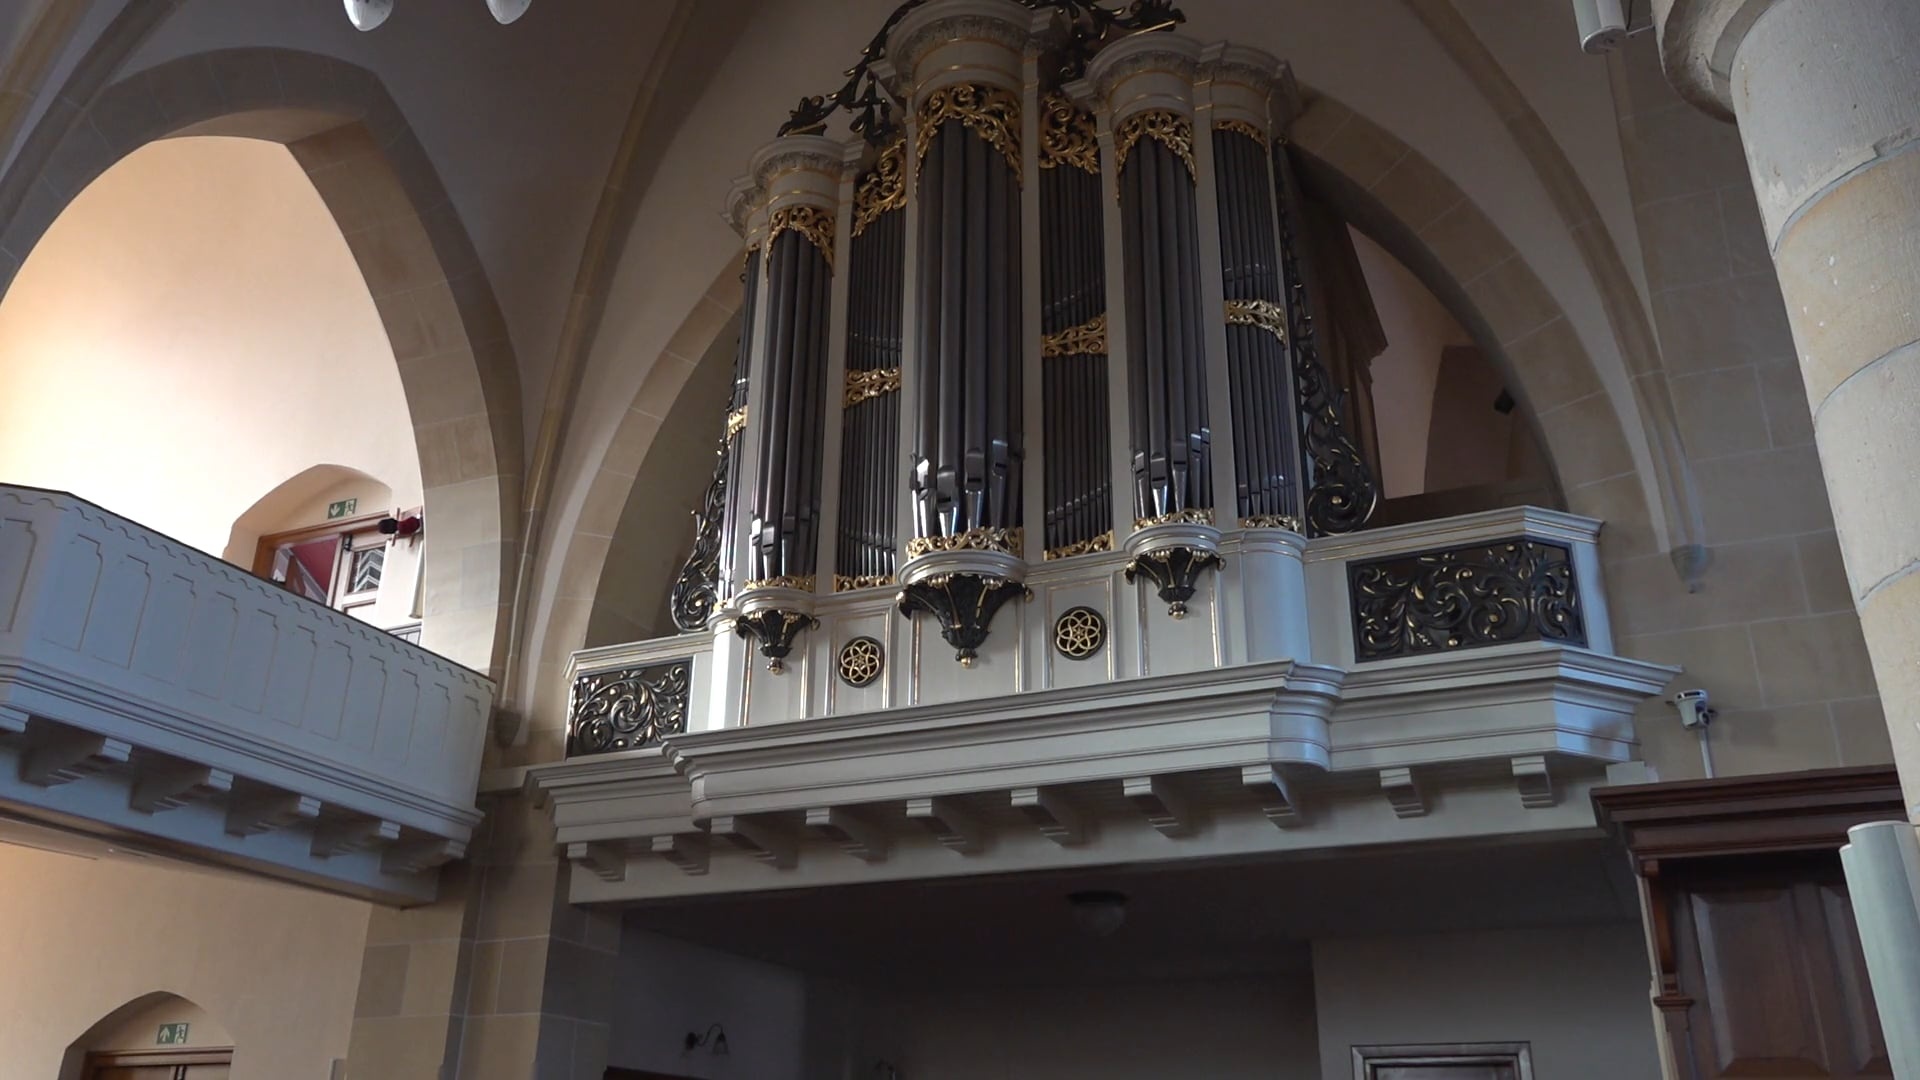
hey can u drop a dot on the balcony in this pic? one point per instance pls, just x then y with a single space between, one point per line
153 694
1450 679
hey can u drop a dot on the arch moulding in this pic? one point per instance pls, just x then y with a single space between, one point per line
448 336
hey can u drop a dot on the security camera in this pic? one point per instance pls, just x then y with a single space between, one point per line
1693 708
1603 24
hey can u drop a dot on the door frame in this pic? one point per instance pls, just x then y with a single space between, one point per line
1368 1059
120 1059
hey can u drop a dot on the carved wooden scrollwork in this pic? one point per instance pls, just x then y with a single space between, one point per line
1479 594
627 708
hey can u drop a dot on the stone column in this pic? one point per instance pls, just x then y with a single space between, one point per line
1827 97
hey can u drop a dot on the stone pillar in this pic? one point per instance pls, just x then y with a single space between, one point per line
1827 98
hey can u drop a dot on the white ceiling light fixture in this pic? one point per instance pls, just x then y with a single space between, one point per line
508 10
368 14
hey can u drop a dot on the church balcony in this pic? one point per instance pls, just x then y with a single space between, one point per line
1446 680
155 696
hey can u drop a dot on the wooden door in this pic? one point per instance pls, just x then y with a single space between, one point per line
1770 955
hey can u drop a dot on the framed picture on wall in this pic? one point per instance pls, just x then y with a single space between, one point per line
1445 1061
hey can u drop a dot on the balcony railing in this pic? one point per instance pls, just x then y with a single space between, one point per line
148 688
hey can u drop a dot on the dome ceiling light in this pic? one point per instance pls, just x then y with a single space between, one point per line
369 14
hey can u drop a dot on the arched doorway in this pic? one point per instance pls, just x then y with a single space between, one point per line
156 1036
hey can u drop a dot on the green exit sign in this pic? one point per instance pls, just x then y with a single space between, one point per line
341 509
172 1035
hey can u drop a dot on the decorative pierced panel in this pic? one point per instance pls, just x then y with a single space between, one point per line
627 708
1458 598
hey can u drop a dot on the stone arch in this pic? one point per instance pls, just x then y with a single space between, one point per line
1405 203
132 1026
456 362
1391 192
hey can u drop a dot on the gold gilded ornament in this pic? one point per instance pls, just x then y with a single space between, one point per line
1164 126
991 113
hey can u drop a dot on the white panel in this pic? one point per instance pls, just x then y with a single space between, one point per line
1053 600
1170 645
842 698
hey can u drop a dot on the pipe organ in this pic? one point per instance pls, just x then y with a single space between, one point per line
1071 363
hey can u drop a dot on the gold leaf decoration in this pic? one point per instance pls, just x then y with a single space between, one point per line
883 188
1271 521
1103 542
736 421
800 582
1087 339
992 113
809 221
1178 517
1067 135
1264 314
1242 127
1164 126
856 582
1007 541
862 385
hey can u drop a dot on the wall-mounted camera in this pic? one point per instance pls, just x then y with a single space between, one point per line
1693 708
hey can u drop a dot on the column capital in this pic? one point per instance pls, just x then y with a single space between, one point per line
1698 42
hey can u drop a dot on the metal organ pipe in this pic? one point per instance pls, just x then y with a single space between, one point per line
1148 82
961 66
1186 130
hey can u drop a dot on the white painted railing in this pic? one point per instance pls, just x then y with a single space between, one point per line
129 657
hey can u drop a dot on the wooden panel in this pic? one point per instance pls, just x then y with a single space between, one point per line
1763 1019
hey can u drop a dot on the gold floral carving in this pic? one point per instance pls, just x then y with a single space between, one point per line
884 188
1087 339
1103 542
1066 135
854 583
1165 126
797 582
862 385
1178 517
1264 314
736 421
1008 541
1242 127
809 221
992 113
1271 521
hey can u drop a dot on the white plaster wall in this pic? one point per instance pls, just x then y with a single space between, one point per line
520 121
274 966
1404 376
666 988
191 333
1577 994
1250 1028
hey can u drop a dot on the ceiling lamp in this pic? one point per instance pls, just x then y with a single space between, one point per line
508 10
369 14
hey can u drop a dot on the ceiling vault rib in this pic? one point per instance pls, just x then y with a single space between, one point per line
599 257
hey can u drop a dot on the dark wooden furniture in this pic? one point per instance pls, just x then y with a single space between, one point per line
1758 964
